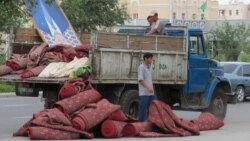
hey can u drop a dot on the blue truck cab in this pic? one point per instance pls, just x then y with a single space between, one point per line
205 78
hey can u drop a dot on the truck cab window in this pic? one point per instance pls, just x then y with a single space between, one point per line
196 45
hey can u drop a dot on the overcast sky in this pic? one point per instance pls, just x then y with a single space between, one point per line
226 1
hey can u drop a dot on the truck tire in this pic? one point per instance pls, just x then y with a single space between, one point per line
130 102
240 91
49 103
218 104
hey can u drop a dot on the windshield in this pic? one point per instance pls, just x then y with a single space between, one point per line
229 68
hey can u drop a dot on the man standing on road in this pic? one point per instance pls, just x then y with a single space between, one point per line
146 91
156 26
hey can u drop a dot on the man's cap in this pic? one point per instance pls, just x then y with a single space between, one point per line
153 13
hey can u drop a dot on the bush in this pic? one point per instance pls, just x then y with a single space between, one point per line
6 87
244 57
2 58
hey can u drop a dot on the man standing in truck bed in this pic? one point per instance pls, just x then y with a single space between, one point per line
146 91
157 27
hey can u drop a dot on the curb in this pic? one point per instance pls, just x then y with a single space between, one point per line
10 94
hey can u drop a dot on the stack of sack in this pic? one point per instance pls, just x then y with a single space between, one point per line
81 112
67 59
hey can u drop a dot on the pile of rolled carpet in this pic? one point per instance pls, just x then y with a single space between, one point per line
81 112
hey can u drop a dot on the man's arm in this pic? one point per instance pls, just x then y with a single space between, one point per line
151 32
144 84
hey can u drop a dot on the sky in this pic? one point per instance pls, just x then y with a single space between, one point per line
226 1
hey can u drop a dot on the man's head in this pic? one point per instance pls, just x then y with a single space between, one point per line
150 20
148 58
153 15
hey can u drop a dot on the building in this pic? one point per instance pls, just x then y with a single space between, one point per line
174 9
235 10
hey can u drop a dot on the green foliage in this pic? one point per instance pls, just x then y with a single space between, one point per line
232 39
244 57
6 87
12 14
2 58
87 15
84 15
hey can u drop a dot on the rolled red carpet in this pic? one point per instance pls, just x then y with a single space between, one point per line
207 121
4 69
67 90
43 133
133 129
93 116
118 116
112 129
27 74
164 118
74 87
12 65
76 102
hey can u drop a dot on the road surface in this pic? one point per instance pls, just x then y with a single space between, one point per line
15 111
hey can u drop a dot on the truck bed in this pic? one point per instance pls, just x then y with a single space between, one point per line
17 78
115 58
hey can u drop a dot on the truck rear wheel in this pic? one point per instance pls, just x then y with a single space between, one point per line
130 102
218 105
49 103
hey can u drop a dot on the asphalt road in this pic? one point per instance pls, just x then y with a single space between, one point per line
15 111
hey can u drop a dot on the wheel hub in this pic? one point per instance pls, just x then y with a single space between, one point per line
241 94
218 103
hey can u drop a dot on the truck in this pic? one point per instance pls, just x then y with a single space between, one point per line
183 75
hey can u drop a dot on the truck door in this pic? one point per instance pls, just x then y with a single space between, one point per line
198 73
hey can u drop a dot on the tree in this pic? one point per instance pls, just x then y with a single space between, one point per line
232 40
86 15
12 14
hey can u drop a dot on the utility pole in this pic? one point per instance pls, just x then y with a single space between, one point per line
171 11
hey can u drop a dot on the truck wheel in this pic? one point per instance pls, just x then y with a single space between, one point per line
130 102
218 105
49 103
240 91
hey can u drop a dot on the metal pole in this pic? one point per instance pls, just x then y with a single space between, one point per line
171 11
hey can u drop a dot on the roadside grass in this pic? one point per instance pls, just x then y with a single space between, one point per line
2 58
6 87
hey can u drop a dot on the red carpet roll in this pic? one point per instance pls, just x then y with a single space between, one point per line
91 117
133 129
67 90
33 71
207 121
76 102
73 87
112 129
118 116
164 118
43 133
4 69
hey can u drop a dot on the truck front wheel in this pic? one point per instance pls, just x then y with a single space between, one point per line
130 102
218 105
